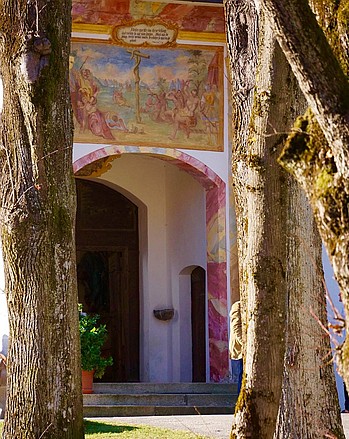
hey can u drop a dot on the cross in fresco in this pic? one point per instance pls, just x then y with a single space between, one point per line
137 56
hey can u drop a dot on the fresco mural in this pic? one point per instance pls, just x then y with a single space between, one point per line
147 97
188 17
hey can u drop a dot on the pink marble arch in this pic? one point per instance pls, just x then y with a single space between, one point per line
216 238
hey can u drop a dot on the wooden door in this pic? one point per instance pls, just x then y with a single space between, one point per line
107 261
198 324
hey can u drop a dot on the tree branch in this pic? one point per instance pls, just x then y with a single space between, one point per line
317 70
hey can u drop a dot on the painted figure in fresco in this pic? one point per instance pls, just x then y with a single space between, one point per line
209 112
192 102
178 99
150 103
94 119
118 98
74 84
84 91
162 107
157 108
88 86
115 122
186 103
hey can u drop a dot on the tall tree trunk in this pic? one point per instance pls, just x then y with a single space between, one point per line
273 271
37 222
261 190
309 405
322 170
242 35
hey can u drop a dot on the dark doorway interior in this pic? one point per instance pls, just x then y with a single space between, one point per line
108 272
198 314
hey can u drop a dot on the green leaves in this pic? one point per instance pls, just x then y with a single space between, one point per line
92 339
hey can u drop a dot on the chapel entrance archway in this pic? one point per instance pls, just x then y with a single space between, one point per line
108 272
96 163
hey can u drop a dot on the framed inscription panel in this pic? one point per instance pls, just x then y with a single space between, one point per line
145 96
145 33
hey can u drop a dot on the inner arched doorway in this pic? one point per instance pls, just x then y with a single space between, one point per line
108 272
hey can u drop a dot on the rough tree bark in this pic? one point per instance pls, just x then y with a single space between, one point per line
259 183
274 271
242 34
37 222
322 170
309 406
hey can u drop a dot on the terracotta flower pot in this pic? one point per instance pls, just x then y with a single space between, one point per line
87 381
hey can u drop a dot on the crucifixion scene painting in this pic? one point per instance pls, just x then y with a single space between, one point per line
149 97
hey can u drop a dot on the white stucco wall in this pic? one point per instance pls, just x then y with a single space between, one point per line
187 248
175 239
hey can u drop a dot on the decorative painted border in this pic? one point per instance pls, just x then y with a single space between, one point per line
104 29
216 239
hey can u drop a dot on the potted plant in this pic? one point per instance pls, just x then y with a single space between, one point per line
92 338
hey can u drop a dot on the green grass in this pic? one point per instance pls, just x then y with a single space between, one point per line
110 430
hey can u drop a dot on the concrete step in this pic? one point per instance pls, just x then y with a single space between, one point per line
159 399
151 399
131 410
129 388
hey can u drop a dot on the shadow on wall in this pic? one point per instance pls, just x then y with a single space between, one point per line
3 375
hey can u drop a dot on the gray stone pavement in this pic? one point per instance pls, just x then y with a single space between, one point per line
212 426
